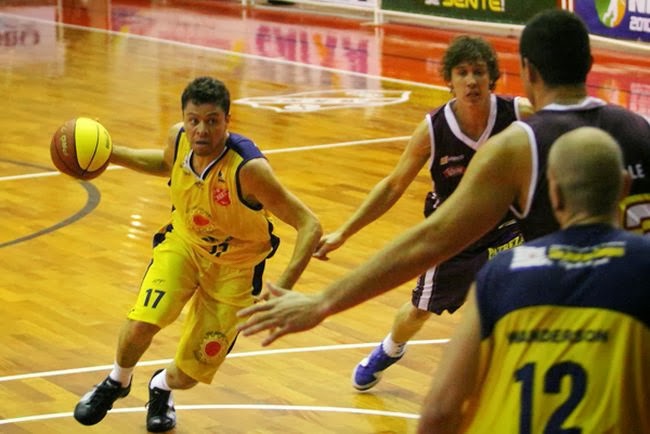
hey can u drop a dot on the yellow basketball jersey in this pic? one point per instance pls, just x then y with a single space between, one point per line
208 210
564 370
565 327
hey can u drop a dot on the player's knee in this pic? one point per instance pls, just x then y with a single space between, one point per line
139 331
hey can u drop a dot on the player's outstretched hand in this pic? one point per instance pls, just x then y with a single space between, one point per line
328 243
282 313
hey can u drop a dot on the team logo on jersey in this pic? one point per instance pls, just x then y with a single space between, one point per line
221 196
327 100
212 347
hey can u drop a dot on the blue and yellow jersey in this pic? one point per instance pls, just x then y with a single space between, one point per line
565 328
209 212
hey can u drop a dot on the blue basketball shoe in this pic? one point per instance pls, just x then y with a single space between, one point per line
368 372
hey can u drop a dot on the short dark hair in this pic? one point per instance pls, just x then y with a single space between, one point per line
204 90
466 48
556 42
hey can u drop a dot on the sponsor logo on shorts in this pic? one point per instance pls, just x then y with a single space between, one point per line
212 348
517 241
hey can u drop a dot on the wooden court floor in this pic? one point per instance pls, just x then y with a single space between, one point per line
331 104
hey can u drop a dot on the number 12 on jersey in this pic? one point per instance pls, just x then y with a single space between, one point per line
568 375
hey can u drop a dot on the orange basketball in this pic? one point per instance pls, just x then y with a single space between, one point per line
81 148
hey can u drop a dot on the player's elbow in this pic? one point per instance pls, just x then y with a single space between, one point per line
313 227
307 225
438 419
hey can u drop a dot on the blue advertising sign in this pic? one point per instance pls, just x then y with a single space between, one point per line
624 19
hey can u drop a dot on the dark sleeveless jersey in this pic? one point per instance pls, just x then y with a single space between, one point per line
632 132
452 150
570 308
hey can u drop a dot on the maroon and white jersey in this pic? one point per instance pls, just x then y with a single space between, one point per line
452 150
632 132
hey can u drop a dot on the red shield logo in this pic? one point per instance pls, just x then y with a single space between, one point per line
221 196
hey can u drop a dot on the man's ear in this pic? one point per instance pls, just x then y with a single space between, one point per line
555 194
533 73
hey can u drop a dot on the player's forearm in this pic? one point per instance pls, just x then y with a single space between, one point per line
307 238
403 259
149 161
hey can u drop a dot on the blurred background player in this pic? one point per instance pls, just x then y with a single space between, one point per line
211 255
549 322
451 134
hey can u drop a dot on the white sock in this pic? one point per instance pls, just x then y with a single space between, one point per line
391 347
159 381
121 375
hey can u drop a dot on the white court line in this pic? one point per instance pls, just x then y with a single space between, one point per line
29 176
266 407
270 151
336 145
257 407
229 356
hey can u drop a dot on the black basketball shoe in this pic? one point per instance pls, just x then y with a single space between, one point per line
161 416
94 405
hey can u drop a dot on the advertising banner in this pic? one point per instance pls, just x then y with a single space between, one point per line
504 11
288 45
623 19
29 42
369 4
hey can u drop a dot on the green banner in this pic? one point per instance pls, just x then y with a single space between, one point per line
505 11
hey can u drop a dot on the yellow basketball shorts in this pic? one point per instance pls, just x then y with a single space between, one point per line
178 275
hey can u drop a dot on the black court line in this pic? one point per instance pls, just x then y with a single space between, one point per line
91 203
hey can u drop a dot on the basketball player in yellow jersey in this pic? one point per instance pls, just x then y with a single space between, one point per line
556 337
211 254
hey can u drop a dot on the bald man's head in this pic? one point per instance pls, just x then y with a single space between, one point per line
586 166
